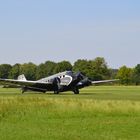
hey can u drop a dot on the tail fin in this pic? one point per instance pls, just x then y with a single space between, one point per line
22 77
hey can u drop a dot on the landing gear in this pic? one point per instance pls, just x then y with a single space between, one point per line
56 92
76 91
23 90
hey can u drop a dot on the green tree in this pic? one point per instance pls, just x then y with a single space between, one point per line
100 69
82 65
95 69
125 75
63 66
45 69
136 75
5 70
41 71
50 67
29 70
15 71
113 73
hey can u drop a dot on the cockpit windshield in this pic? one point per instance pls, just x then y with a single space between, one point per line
69 73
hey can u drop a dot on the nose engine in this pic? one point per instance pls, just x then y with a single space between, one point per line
79 76
83 80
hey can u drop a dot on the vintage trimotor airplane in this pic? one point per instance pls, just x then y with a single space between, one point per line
61 82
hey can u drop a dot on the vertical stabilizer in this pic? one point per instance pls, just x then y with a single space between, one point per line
22 78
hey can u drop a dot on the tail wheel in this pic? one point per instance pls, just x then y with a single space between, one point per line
24 89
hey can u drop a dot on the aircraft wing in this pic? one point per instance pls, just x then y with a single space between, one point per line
23 83
104 81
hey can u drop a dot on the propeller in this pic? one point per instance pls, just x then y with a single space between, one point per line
79 76
83 80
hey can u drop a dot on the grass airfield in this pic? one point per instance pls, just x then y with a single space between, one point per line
97 113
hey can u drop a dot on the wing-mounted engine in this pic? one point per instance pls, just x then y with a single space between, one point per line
56 85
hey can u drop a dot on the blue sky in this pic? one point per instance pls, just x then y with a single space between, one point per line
40 30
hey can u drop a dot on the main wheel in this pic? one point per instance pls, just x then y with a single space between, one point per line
56 92
76 91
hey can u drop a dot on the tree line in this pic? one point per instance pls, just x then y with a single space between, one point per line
96 69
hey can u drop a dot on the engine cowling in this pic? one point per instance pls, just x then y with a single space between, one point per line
56 85
83 83
79 76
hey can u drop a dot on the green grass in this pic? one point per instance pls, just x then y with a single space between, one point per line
98 113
